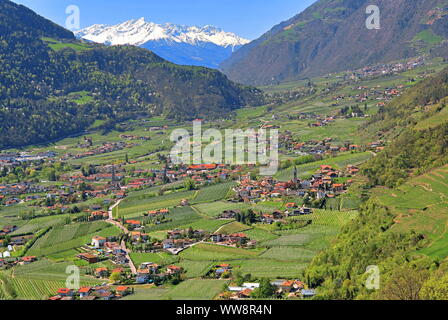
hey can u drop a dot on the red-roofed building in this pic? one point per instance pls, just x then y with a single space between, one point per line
173 270
65 292
27 260
98 241
84 291
101 272
123 290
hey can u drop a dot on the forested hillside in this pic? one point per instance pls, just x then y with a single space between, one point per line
417 124
52 85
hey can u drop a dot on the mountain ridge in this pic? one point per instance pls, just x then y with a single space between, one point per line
201 46
331 36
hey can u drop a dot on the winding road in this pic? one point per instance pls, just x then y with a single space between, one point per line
126 231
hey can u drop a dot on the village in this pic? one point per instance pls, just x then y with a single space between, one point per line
51 184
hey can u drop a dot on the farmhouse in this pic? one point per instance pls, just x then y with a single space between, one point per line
101 272
65 292
98 242
123 291
84 291
90 258
28 260
170 270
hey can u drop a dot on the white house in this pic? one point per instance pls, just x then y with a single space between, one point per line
98 241
251 286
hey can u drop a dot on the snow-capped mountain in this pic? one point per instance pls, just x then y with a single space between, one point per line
204 46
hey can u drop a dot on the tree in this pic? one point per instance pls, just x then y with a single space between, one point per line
405 283
436 288
189 184
266 290
190 232
115 277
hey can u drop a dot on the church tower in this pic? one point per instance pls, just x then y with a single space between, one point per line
296 181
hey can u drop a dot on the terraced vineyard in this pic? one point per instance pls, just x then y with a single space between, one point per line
36 289
422 204
213 193
137 206
69 237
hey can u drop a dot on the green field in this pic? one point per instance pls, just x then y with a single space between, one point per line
181 216
233 227
211 252
196 289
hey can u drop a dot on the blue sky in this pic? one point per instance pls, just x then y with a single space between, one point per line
247 18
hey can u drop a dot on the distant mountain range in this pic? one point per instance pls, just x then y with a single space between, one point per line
188 45
331 36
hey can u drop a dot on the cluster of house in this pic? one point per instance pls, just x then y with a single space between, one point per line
150 272
12 159
386 69
234 240
10 194
280 216
292 210
312 147
178 240
134 137
102 248
201 174
256 190
16 240
105 148
21 188
288 288
376 146
436 14
5 230
101 292
321 185
57 196
7 261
